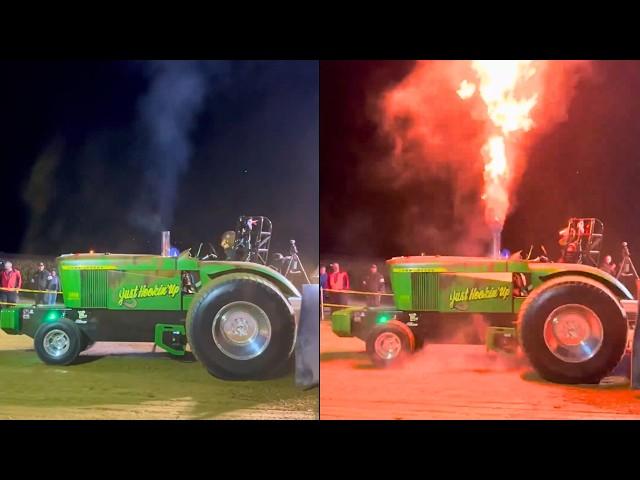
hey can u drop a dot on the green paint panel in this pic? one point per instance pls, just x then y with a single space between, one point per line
517 303
341 321
10 320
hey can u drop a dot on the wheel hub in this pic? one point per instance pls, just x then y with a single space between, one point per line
56 343
241 330
388 345
573 333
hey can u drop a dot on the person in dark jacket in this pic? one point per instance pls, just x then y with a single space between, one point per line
324 277
324 282
53 286
39 282
373 283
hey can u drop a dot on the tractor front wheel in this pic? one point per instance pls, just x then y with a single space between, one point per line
390 343
58 343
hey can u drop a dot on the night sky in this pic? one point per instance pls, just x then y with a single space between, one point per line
104 155
587 166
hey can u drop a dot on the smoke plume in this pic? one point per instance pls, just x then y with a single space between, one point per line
167 117
435 134
39 193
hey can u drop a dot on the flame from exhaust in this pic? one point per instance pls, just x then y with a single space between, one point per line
478 145
497 84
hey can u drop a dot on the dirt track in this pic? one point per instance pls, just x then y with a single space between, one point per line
129 381
455 382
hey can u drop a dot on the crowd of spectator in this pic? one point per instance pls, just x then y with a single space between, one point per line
31 281
336 286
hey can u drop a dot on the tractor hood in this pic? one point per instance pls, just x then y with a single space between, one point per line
114 261
146 263
541 270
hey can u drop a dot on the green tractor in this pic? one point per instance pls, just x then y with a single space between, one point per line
239 318
572 320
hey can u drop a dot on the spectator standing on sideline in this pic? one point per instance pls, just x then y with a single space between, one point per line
338 281
53 285
324 277
39 282
373 283
324 282
10 282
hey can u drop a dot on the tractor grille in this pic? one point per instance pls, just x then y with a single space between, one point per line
424 291
93 291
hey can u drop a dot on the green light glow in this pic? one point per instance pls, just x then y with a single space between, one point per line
52 316
383 319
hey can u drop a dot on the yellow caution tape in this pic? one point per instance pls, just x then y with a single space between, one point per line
27 290
89 267
355 292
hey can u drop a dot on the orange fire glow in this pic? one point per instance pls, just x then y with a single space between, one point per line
498 81
473 124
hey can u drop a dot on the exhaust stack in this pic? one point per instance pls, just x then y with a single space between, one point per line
166 243
495 242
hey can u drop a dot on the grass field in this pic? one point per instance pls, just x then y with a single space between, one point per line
129 381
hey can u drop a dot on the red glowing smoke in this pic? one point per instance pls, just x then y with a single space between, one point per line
473 123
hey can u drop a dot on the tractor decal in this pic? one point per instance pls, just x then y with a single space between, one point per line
127 296
476 292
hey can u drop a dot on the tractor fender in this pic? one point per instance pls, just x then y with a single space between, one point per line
250 275
275 278
566 277
596 278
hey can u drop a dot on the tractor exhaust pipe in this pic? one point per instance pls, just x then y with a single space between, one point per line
495 242
166 243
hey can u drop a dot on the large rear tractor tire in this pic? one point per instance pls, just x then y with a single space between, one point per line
573 330
241 327
59 342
